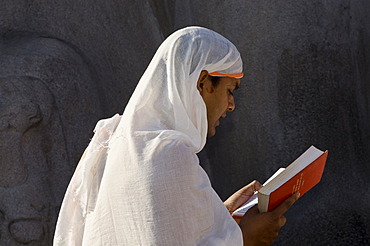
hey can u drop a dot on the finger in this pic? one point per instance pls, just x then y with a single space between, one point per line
285 205
256 185
250 188
241 196
282 221
247 191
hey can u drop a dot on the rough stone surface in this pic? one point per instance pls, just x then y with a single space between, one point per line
65 64
48 105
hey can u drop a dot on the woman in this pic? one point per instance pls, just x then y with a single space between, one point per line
139 181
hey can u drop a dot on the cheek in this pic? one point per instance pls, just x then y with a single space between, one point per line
225 101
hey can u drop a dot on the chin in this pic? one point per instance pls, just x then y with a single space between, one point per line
211 133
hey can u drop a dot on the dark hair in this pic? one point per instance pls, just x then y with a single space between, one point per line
215 80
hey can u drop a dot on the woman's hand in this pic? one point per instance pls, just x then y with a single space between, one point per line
241 196
258 228
263 228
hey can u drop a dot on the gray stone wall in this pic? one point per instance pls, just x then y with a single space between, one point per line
65 64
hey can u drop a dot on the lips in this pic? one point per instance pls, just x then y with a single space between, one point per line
222 117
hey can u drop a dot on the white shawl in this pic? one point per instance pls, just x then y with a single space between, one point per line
139 181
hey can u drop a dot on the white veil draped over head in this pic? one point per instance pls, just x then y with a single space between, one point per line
139 181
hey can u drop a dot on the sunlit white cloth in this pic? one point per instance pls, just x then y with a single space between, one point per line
139 181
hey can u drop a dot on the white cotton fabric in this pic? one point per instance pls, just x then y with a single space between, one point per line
139 181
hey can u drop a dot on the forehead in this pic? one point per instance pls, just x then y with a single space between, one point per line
227 81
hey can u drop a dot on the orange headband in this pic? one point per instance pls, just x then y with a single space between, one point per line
237 76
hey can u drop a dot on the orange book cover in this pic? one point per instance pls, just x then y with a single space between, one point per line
301 182
300 176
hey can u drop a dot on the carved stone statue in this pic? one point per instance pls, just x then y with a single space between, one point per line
37 157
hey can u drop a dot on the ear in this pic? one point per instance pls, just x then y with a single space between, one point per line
201 80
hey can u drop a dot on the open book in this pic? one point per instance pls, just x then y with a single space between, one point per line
300 176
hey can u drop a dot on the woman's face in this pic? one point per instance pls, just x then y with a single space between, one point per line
218 100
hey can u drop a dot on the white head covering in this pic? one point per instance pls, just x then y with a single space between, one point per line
139 182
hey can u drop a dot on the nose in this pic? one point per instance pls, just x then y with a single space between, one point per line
231 106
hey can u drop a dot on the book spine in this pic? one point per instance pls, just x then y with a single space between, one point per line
263 202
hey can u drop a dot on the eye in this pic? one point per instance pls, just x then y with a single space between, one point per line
231 93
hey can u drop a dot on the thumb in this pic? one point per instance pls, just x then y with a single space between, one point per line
285 205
